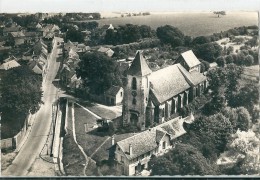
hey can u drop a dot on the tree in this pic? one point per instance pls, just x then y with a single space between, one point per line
221 61
219 13
170 35
200 40
224 82
252 42
229 59
230 49
74 35
145 31
231 114
98 72
208 51
243 119
247 144
88 25
249 60
239 40
128 33
184 159
248 96
21 91
110 37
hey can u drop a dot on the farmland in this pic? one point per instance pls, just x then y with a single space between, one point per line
191 24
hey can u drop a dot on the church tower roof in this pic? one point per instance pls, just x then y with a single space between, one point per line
139 66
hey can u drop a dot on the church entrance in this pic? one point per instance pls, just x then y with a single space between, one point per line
134 118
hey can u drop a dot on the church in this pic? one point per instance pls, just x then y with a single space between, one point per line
153 97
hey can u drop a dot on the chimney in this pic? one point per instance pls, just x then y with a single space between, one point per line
113 140
130 149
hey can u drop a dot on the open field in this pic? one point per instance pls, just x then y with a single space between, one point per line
251 73
192 23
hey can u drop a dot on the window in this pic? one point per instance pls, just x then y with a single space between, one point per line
134 83
164 145
122 158
134 101
121 94
163 113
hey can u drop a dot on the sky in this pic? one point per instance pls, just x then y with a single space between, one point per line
125 5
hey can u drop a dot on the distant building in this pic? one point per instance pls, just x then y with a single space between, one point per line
109 52
8 30
17 37
133 154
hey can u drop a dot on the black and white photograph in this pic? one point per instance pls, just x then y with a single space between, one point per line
129 92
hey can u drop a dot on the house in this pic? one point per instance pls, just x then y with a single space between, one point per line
189 61
153 97
51 28
9 65
109 52
10 58
30 37
114 96
213 65
132 155
37 67
40 47
17 37
8 30
74 82
82 48
69 45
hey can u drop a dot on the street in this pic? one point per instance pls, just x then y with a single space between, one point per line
36 140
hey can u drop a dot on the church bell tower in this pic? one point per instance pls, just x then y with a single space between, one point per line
136 92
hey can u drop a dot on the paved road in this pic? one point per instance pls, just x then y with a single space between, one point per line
38 135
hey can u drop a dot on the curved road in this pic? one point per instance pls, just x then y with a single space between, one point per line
41 126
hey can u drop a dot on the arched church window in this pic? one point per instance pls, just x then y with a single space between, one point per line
134 83
134 101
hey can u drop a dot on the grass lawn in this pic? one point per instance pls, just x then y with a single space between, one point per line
251 73
90 140
73 159
99 110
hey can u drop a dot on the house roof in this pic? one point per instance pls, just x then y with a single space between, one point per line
17 34
109 52
30 34
141 143
190 58
148 140
9 65
193 77
173 127
113 90
139 66
35 66
167 82
11 29
69 45
10 59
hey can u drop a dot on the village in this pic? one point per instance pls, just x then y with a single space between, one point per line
126 100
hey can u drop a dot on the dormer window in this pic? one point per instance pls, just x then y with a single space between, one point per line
134 83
